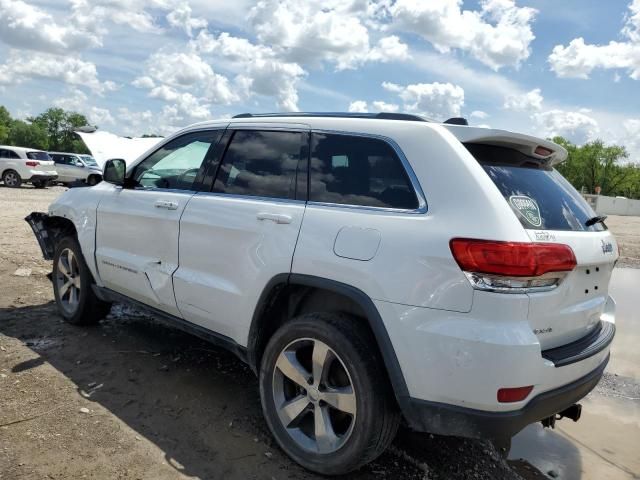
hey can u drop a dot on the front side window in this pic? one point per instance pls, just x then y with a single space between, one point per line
176 164
261 164
354 170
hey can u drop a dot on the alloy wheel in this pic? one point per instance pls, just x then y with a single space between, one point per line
68 280
10 179
314 396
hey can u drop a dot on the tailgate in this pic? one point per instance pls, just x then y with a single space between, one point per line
574 308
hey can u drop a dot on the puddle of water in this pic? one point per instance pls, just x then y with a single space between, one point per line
605 443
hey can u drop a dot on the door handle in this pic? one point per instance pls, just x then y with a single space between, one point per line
166 204
274 217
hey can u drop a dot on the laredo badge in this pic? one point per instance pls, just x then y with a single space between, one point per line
528 208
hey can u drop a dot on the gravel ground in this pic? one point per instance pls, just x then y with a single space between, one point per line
131 398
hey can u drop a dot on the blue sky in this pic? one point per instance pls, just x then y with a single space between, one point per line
539 66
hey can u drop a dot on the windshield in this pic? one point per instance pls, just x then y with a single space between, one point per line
539 195
89 160
44 156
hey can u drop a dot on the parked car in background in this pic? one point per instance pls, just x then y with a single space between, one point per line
19 165
72 167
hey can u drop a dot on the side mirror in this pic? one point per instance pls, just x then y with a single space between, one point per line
114 171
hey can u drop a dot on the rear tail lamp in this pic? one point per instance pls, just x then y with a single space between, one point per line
542 151
512 266
510 395
32 164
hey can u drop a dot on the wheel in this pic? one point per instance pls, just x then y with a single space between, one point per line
502 446
39 184
72 280
325 393
92 180
11 179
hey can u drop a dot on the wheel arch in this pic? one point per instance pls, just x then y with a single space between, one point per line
288 295
49 230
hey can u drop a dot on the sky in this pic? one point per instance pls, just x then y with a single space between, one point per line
543 67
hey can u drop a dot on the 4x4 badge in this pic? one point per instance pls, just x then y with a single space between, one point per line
528 208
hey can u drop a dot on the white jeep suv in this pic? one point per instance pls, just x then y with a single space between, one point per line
369 268
19 165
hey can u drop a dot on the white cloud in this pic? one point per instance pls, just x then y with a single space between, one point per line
26 26
143 82
186 104
379 106
524 102
499 34
358 106
435 100
479 114
260 70
576 126
309 33
21 66
181 18
78 101
579 59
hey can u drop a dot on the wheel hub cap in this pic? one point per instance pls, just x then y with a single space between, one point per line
67 280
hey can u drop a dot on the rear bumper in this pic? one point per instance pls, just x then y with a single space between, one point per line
42 178
446 419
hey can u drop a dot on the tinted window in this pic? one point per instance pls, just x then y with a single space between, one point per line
176 164
261 164
44 156
540 197
89 160
356 170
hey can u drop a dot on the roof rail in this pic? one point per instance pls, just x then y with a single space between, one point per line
379 116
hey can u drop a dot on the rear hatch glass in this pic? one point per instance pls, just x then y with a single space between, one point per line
539 195
551 210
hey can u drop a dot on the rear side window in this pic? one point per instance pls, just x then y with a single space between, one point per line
261 164
44 156
354 170
540 197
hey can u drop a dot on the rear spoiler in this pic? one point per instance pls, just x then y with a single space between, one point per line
531 146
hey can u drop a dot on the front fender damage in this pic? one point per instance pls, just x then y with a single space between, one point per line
47 230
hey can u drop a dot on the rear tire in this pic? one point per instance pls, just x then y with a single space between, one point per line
72 286
340 421
11 179
39 184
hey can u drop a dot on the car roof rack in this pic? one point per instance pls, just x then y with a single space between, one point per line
379 116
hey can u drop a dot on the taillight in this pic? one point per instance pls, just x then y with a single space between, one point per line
543 151
32 164
510 395
512 266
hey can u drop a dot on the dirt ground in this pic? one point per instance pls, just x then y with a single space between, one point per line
133 399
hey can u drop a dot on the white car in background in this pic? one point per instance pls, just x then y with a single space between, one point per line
73 167
19 165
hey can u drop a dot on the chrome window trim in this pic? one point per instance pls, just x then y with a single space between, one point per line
415 184
251 197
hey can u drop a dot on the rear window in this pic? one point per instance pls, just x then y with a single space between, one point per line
541 198
38 156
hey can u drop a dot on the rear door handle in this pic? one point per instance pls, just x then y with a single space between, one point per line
274 217
166 205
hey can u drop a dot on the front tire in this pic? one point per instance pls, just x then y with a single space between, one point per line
325 393
72 286
12 179
93 180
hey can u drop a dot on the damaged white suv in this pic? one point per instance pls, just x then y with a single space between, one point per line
369 268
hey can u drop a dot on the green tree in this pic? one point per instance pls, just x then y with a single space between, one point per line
59 126
595 164
5 124
25 134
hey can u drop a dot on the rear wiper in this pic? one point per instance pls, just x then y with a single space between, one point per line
596 219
